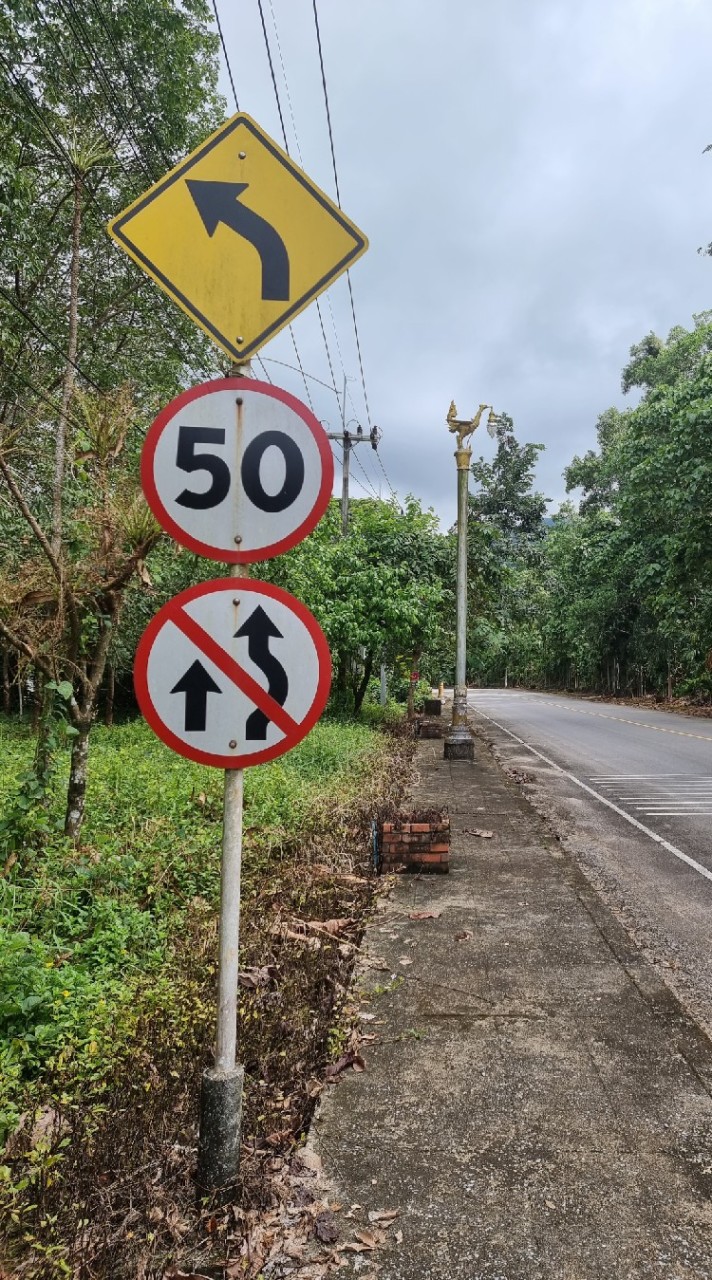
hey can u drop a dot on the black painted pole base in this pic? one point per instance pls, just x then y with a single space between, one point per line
220 1125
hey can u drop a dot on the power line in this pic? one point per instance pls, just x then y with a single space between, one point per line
271 71
338 198
296 369
224 49
301 367
261 363
286 146
48 338
286 83
284 135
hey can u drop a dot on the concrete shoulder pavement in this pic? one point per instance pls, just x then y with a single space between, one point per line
536 1104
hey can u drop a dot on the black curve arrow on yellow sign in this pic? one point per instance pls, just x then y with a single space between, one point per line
218 202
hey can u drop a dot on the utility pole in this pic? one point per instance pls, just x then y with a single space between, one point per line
347 439
460 744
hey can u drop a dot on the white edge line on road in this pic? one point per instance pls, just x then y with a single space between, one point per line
671 848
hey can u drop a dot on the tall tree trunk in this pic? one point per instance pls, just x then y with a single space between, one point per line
361 687
110 690
6 680
44 701
38 700
77 788
60 447
82 714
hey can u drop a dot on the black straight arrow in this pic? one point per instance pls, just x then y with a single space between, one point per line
259 628
196 684
218 202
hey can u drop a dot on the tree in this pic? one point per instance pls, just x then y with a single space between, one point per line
96 104
505 530
505 498
378 593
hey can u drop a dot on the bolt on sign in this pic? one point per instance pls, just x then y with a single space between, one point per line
239 237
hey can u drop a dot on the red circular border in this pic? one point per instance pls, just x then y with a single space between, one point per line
171 739
242 385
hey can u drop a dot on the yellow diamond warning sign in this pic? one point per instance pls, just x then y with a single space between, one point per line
239 237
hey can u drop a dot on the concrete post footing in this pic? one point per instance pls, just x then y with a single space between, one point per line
459 745
220 1127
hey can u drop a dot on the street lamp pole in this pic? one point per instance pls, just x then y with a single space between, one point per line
460 744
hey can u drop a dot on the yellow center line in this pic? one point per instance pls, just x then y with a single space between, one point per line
638 724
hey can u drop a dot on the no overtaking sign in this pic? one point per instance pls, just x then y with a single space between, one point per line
232 672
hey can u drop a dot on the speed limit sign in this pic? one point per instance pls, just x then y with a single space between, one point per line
237 470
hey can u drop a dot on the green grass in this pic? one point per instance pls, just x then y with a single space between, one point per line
89 936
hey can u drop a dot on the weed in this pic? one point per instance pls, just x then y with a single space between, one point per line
107 978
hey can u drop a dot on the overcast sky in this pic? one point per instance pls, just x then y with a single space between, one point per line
530 176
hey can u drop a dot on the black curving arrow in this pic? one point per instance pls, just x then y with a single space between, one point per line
196 684
218 202
259 628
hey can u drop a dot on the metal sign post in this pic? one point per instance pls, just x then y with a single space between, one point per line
230 673
242 240
221 1085
220 1122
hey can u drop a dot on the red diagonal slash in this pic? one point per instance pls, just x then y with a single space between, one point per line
231 669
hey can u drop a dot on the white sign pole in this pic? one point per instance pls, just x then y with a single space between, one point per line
226 1047
221 1094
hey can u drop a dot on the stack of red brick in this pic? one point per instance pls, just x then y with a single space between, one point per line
415 846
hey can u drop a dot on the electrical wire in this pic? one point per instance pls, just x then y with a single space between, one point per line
271 71
234 94
286 147
295 369
48 338
224 49
338 198
357 460
261 363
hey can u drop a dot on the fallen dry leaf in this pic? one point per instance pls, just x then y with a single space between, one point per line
331 927
309 1159
405 960
325 1227
341 877
383 1215
371 1239
398 1237
348 1059
257 976
424 915
484 835
185 1275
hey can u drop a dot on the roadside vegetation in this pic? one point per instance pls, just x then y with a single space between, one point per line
613 594
107 986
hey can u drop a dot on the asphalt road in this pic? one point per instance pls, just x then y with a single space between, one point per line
630 793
